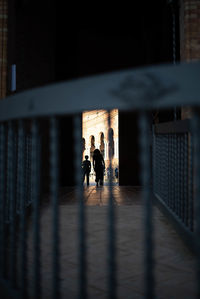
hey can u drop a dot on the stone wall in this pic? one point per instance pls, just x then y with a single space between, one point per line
190 30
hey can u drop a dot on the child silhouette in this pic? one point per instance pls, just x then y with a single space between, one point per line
86 166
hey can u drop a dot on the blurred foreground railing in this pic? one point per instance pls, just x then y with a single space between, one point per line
173 184
20 168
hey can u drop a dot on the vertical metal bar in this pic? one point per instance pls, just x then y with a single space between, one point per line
18 203
163 167
15 169
28 170
191 194
174 174
28 200
154 159
160 137
172 181
11 194
82 216
2 200
181 177
160 166
175 180
148 211
176 177
26 165
177 166
54 172
161 176
195 129
186 178
171 172
111 223
36 208
157 163
7 206
23 232
167 167
167 174
162 183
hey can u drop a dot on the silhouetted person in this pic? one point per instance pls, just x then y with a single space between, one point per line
99 166
86 166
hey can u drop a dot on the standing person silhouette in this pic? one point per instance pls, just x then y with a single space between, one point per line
99 166
86 166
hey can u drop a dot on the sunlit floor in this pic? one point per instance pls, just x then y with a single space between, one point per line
174 264
105 183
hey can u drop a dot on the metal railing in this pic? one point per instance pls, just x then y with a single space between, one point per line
173 171
20 165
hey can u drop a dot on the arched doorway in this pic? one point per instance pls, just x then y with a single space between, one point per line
92 146
111 146
102 144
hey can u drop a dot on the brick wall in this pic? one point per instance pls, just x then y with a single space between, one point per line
190 30
3 46
189 36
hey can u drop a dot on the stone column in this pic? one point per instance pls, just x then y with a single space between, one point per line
105 149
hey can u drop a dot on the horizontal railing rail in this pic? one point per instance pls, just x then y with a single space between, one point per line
145 88
173 127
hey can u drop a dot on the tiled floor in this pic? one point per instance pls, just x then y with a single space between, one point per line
174 264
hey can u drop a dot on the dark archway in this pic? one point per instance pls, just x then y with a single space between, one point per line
102 144
92 146
111 146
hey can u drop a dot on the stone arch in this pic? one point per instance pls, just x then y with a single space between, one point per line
102 144
92 145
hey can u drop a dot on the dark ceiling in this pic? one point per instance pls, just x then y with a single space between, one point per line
99 39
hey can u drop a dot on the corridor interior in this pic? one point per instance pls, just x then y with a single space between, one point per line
174 263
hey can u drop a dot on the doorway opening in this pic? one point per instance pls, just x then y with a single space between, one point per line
95 133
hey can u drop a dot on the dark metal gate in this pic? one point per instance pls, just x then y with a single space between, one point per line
20 167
